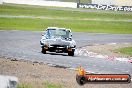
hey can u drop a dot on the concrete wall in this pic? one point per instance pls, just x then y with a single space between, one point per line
113 2
1 1
8 81
123 2
43 3
105 2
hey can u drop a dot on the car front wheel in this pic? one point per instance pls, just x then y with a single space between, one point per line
71 53
43 51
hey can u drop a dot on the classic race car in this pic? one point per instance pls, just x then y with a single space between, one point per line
58 40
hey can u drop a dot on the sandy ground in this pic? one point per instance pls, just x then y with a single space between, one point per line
37 74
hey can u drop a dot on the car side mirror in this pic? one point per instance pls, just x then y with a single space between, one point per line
43 34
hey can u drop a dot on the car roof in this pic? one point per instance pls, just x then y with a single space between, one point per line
59 28
52 27
62 28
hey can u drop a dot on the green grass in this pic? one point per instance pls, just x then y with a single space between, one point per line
50 85
76 20
44 85
51 12
24 86
127 51
75 25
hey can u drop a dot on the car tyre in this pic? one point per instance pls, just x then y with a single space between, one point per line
43 51
71 53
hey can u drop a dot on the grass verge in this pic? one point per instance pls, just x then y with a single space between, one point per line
75 25
50 85
126 50
11 9
78 21
44 85
24 86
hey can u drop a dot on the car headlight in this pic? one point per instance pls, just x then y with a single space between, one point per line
43 40
70 39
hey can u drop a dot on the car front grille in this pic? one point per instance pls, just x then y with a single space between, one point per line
57 46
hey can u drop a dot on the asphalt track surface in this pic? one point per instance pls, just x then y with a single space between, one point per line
25 45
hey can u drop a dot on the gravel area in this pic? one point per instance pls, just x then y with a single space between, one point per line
109 49
36 74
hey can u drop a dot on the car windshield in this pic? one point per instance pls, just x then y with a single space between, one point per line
57 33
